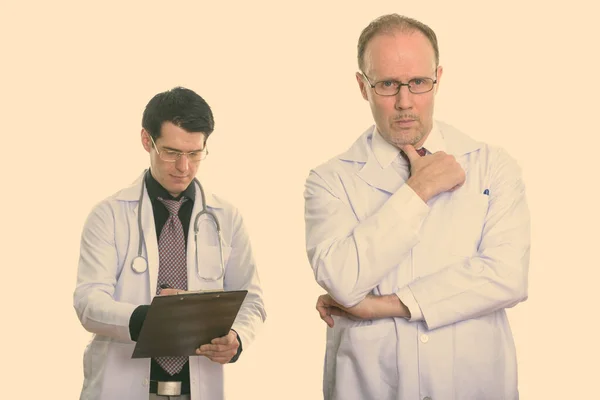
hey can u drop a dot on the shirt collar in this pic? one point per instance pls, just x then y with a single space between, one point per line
386 153
156 190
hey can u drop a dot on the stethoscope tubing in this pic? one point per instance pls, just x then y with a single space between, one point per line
204 211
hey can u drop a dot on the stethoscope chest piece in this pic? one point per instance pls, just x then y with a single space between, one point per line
139 264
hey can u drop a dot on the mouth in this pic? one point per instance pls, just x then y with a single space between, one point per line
404 121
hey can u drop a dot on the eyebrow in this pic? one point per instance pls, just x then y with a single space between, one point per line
398 80
172 149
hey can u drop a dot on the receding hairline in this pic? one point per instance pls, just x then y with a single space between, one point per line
393 24
393 32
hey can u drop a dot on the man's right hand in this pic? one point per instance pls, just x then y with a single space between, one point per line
433 174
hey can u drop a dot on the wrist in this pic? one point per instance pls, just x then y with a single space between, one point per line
390 306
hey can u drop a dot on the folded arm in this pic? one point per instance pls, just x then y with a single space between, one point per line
495 278
350 257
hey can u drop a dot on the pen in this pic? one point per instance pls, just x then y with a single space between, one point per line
166 286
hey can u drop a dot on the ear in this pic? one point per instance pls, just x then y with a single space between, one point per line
439 77
145 136
362 86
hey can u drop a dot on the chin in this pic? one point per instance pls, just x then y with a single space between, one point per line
405 137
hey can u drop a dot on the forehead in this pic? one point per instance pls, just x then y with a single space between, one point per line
399 55
176 137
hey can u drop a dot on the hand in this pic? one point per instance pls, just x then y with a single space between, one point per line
433 174
170 292
371 307
327 306
220 350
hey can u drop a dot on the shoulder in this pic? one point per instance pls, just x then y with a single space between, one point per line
454 136
218 202
348 161
493 160
226 211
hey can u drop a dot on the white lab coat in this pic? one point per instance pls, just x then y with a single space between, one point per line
457 262
108 290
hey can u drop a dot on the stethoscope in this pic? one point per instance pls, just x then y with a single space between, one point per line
140 264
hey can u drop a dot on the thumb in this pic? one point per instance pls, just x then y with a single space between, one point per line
410 152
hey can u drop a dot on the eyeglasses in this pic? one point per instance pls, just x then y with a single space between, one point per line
392 87
174 155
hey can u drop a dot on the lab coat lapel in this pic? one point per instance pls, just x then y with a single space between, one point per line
386 179
132 194
150 241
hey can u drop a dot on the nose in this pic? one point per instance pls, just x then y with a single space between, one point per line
404 99
182 163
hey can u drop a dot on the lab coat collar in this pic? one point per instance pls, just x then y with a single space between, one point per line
384 176
132 193
386 153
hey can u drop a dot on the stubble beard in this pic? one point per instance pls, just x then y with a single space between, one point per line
403 137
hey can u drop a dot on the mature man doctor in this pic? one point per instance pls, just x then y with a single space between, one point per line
420 235
113 292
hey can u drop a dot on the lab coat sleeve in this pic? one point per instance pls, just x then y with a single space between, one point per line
408 299
350 257
242 274
497 276
97 275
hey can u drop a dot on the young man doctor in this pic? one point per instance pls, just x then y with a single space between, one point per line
420 235
113 293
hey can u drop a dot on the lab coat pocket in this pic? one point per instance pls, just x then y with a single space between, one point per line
209 266
467 211
480 355
366 362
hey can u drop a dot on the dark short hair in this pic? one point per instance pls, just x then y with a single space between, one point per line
180 106
389 24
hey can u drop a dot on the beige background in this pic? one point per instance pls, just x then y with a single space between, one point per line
279 76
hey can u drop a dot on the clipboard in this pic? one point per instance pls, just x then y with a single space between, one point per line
176 325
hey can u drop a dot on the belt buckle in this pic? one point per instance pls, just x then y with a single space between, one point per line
168 389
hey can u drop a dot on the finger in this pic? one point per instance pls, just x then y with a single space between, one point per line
323 310
223 353
456 187
324 300
227 339
207 348
328 320
410 152
169 292
217 347
324 314
330 301
220 360
338 312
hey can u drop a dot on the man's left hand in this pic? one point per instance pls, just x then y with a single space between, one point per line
220 350
371 307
